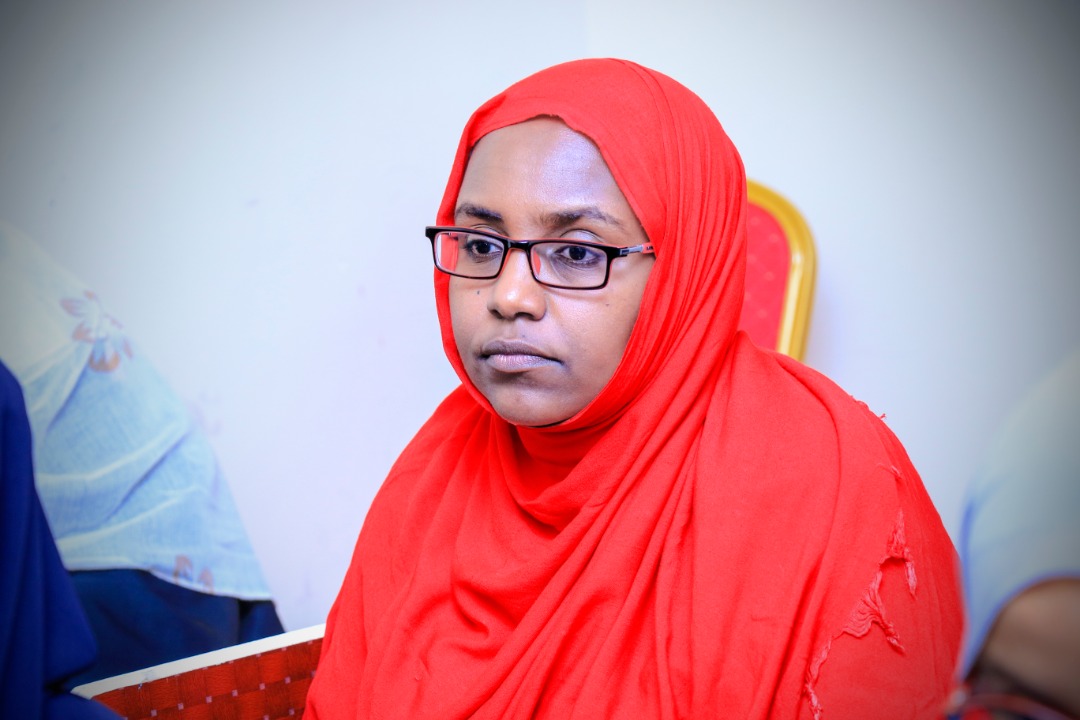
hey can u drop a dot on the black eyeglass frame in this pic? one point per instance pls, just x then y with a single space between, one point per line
610 251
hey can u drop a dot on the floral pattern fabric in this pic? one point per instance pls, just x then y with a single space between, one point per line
127 479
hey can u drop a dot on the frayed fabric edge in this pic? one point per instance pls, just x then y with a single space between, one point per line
869 611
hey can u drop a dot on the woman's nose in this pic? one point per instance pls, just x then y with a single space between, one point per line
515 291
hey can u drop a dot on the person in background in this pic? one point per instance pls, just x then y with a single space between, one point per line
1020 550
140 512
44 636
627 509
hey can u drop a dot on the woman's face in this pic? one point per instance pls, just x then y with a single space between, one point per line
540 354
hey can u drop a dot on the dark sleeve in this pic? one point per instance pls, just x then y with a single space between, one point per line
44 636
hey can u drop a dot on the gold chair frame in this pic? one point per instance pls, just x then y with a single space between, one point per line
799 288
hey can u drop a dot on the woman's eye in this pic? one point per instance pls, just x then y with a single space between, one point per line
578 255
482 248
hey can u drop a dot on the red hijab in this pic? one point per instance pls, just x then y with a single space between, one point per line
722 532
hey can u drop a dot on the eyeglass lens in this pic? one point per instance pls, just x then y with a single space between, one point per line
554 262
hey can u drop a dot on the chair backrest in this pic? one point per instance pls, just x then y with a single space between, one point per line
263 679
780 264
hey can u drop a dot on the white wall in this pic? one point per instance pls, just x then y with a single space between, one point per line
245 184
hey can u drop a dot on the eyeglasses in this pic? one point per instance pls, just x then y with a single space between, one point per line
480 255
968 705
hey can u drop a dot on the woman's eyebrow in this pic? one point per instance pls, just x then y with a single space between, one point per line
561 218
477 212
555 219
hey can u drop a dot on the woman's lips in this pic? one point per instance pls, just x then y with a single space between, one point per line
513 356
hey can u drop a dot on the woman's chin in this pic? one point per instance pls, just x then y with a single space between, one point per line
530 414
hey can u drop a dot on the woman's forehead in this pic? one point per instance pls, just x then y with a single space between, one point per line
545 167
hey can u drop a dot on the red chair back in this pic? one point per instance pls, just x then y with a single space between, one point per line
257 682
780 264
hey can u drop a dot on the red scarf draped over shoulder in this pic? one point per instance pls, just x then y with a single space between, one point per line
722 532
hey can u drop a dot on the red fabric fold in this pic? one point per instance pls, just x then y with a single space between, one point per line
694 542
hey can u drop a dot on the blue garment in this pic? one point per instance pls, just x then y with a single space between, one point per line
44 636
127 478
137 504
140 620
1020 524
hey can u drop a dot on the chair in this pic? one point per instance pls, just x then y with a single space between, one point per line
779 273
266 679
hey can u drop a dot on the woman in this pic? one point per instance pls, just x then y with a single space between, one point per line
141 513
627 509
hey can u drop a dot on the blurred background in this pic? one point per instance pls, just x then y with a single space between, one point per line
245 185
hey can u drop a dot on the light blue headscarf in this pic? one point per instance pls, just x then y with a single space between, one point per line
1021 523
127 480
